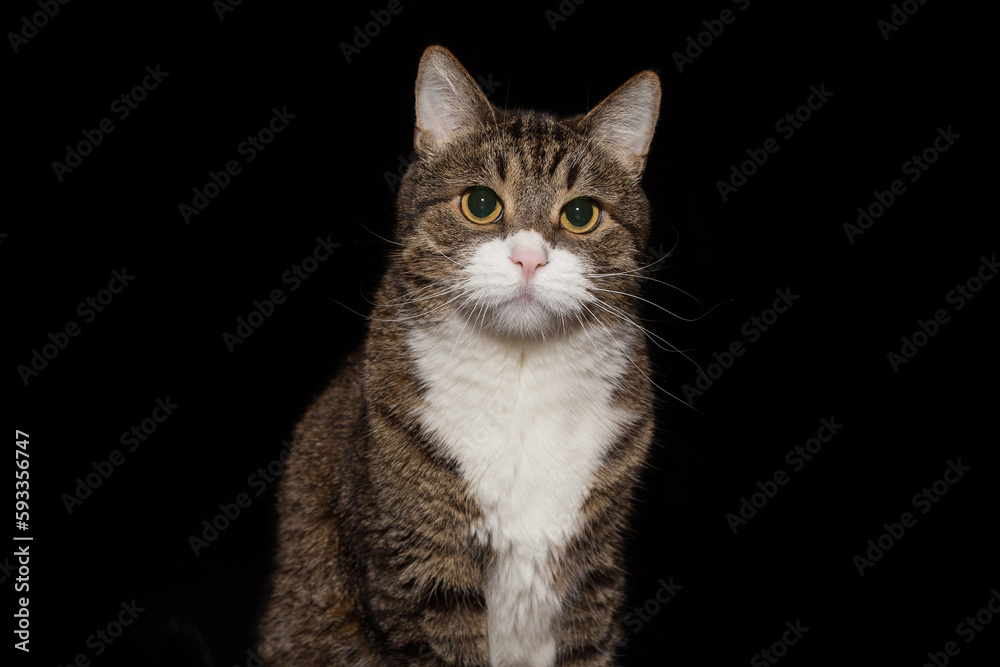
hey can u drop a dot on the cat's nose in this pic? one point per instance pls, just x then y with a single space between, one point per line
530 260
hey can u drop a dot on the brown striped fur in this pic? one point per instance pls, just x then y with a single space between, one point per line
376 563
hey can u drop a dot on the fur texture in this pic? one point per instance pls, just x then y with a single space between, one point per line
457 496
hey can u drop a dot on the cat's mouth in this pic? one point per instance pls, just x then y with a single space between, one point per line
507 297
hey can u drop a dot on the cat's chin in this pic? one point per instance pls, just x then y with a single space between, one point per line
526 317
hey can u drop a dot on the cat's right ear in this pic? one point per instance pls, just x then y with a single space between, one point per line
449 101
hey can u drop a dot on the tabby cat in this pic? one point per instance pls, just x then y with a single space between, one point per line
458 494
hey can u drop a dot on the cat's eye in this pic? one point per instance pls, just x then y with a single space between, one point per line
481 205
580 215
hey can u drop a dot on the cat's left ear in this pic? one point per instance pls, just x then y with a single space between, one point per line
449 101
623 122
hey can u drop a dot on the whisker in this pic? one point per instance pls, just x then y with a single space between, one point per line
645 277
676 241
413 298
428 239
629 317
406 302
630 271
685 319
392 319
649 334
482 306
617 381
408 299
376 235
629 357
506 97
461 333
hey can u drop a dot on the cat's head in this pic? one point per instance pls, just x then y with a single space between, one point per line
520 223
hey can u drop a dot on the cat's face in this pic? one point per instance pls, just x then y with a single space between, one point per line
518 223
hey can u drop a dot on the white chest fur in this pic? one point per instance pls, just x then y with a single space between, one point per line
527 424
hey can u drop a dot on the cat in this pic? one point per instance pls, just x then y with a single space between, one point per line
459 493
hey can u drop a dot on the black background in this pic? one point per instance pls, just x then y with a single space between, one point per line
326 175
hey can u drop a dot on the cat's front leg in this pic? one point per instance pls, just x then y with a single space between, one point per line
591 580
592 631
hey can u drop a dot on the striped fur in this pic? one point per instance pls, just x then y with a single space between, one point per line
396 542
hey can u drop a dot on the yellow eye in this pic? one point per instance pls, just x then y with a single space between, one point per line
580 215
481 205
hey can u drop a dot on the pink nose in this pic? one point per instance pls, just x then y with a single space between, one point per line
529 259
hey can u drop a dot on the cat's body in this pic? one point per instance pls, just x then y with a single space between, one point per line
458 495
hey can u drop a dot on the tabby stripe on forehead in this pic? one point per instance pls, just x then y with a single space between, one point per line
536 154
515 129
574 171
556 161
501 163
